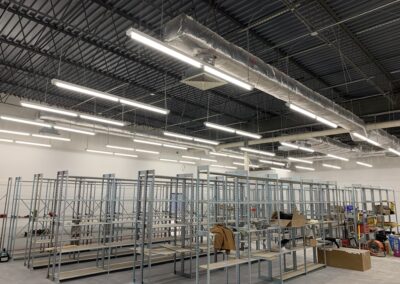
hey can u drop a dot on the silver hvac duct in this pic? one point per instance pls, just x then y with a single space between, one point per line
194 39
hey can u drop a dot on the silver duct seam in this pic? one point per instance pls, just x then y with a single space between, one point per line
196 40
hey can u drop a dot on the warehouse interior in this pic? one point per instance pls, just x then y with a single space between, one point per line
201 141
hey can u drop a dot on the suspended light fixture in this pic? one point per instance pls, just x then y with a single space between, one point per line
225 167
74 130
48 109
176 135
102 120
144 106
272 162
174 146
304 168
242 164
313 116
160 46
226 77
190 138
232 130
147 142
364 164
25 121
84 90
366 139
299 160
33 144
147 151
187 162
125 155
280 169
394 151
337 157
6 140
331 166
99 152
294 146
14 132
255 151
206 141
106 96
168 160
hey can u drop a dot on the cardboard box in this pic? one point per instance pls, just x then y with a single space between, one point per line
346 258
311 242
382 209
297 220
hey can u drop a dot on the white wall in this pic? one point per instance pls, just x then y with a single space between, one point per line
25 161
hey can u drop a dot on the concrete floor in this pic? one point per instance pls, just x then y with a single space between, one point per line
384 270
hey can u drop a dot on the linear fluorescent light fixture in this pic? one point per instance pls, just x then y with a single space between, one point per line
190 138
74 130
191 157
280 169
206 141
337 157
255 151
160 46
125 155
147 151
208 160
226 77
232 130
272 162
144 106
242 164
102 120
331 166
313 116
300 160
366 139
174 146
236 157
48 109
147 142
99 152
177 135
224 167
119 147
6 140
187 162
364 164
168 160
394 151
294 146
14 132
304 168
33 144
51 137
84 90
25 121
218 154
103 95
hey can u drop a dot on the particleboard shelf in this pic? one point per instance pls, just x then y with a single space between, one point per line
225 263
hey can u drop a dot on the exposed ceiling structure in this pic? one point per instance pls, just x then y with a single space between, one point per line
346 51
